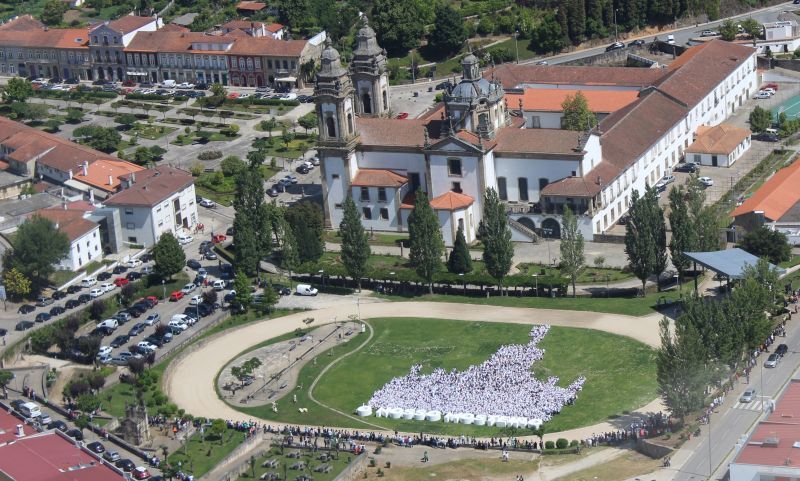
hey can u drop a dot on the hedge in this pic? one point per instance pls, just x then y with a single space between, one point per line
209 155
135 96
76 95
253 101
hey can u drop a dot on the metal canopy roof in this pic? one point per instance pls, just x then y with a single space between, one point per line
730 263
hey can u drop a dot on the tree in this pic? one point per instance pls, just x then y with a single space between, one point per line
572 257
5 379
498 251
767 243
268 125
296 13
210 297
683 232
577 115
241 284
31 111
168 255
459 261
35 249
97 309
256 157
143 156
53 12
290 258
355 249
398 24
270 298
681 369
74 115
104 139
728 30
638 239
548 35
658 232
217 90
87 403
17 285
17 89
751 27
232 165
448 34
308 227
217 430
286 136
126 120
308 121
760 119
425 238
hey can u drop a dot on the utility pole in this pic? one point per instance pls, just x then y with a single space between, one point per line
616 33
516 44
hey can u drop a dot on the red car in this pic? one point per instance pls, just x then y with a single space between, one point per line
176 296
233 95
402 115
218 238
152 299
141 473
121 281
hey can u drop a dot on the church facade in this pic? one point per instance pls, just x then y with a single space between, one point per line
476 139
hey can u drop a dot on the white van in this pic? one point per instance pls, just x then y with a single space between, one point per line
30 410
305 290
88 281
218 285
168 84
671 39
184 239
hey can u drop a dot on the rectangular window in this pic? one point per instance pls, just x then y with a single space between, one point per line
381 194
384 213
367 213
365 194
130 225
456 187
415 182
696 158
536 122
132 240
501 188
335 176
337 206
543 182
522 183
128 211
454 167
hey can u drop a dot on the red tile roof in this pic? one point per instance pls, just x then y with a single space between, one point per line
538 141
720 139
513 75
550 100
253 6
152 186
181 42
21 24
392 132
105 174
776 196
772 442
571 187
378 178
452 201
274 27
129 23
70 221
40 38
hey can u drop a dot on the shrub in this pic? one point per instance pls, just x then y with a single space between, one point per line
209 155
549 445
562 443
574 443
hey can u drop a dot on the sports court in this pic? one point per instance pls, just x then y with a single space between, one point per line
791 106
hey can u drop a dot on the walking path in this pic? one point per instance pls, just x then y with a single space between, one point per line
189 380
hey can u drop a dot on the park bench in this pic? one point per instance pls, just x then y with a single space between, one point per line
298 465
294 455
271 463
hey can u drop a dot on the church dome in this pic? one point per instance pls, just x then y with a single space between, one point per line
330 62
366 42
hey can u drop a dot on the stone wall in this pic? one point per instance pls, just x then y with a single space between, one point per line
653 450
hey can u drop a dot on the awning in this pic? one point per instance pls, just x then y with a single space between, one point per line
137 74
286 79
729 263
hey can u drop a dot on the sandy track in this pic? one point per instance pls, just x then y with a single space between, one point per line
189 381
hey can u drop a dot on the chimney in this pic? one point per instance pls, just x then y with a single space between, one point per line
91 196
20 431
65 206
70 173
133 177
85 168
110 180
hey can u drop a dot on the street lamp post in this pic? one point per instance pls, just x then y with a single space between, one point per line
608 278
322 276
536 280
463 281
616 33
516 44
164 286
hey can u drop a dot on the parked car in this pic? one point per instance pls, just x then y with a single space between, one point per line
108 286
219 238
781 350
762 95
119 269
42 301
767 137
133 263
708 33
109 323
636 43
97 292
305 290
207 203
111 456
26 309
188 288
185 239
74 288
57 310
302 169
772 360
125 465
176 296
615 46
152 319
58 424
195 300
121 281
75 434
133 276
58 295
84 298
706 181
42 317
140 473
120 340
748 395
104 276
137 329
689 167
210 255
273 192
402 115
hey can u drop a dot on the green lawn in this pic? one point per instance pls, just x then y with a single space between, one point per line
59 278
589 275
309 457
631 306
619 371
296 147
384 262
198 456
150 132
791 262
375 238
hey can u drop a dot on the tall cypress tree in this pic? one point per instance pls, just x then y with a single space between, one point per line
681 366
498 251
355 246
638 241
658 232
427 246
572 257
683 232
459 261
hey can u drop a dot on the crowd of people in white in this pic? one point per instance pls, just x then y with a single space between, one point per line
503 385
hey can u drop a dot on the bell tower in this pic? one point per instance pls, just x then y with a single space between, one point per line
334 98
369 75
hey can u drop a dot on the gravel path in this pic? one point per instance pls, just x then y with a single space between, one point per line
189 381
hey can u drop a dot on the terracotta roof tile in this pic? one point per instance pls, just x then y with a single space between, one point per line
105 173
378 178
542 141
174 27
253 6
772 441
513 75
129 23
152 186
274 27
52 38
720 139
452 201
776 196
22 23
550 100
181 42
69 221
572 187
393 132
242 25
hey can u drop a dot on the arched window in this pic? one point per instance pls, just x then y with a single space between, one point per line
349 123
331 126
249 64
241 64
385 101
366 100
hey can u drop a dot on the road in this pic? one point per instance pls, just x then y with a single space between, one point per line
735 418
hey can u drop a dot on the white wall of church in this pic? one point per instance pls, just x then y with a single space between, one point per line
336 177
443 182
514 168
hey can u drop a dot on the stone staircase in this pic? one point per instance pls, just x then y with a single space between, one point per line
524 231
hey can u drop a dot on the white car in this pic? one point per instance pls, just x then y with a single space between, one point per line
188 288
243 96
108 323
97 292
706 181
185 85
207 203
289 96
769 90
133 263
144 345
104 351
668 179
108 287
152 319
185 238
305 290
183 319
195 300
88 282
178 325
762 95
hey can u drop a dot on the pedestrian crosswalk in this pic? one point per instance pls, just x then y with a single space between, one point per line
755 405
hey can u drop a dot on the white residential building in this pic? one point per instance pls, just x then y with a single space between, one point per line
83 234
478 139
155 201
